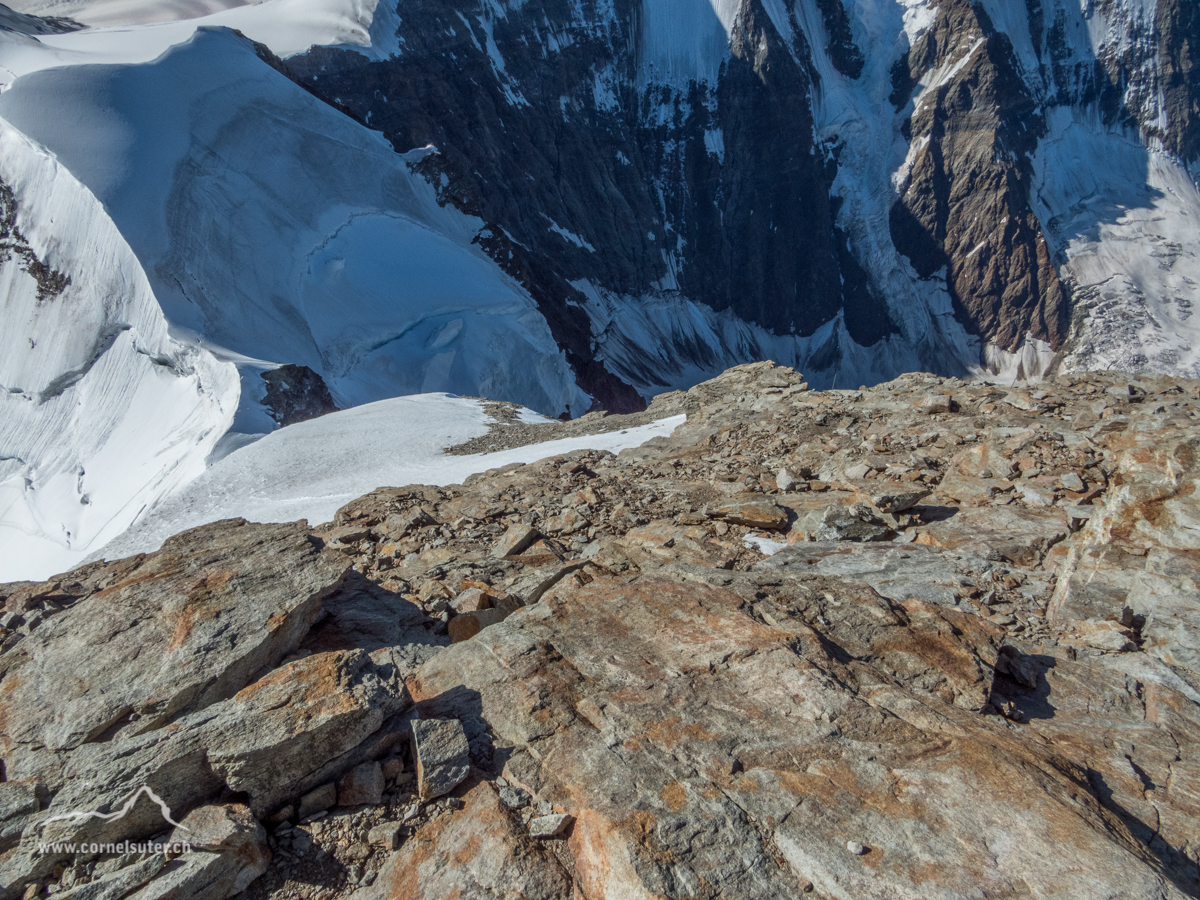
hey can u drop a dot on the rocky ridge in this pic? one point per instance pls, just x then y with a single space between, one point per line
937 638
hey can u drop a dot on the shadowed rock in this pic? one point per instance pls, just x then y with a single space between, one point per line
163 635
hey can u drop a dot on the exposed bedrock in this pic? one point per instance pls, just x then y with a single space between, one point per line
970 666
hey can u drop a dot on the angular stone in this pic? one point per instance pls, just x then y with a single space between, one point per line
540 553
471 600
753 512
347 535
442 755
936 403
851 523
465 626
550 826
893 497
387 834
785 481
662 542
318 800
514 798
1102 635
567 522
400 524
362 785
223 826
529 588
514 540
1036 494
902 572
1021 536
1071 482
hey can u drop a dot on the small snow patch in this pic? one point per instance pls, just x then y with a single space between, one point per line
763 544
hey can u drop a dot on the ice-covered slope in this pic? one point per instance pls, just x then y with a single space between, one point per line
310 469
276 229
101 413
1126 219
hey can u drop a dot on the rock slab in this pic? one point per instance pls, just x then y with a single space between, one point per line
442 755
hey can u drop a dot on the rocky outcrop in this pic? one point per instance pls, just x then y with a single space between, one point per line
936 638
151 639
50 281
180 680
24 23
296 394
482 851
675 723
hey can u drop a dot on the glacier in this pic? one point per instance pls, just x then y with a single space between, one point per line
275 229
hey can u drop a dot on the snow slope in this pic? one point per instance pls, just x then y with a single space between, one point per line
101 412
311 469
274 228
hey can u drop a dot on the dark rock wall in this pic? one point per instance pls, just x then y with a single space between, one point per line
296 394
965 206
1178 24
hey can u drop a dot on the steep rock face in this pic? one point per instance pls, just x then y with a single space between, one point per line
964 205
1178 25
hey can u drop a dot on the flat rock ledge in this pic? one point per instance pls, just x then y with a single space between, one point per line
933 639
